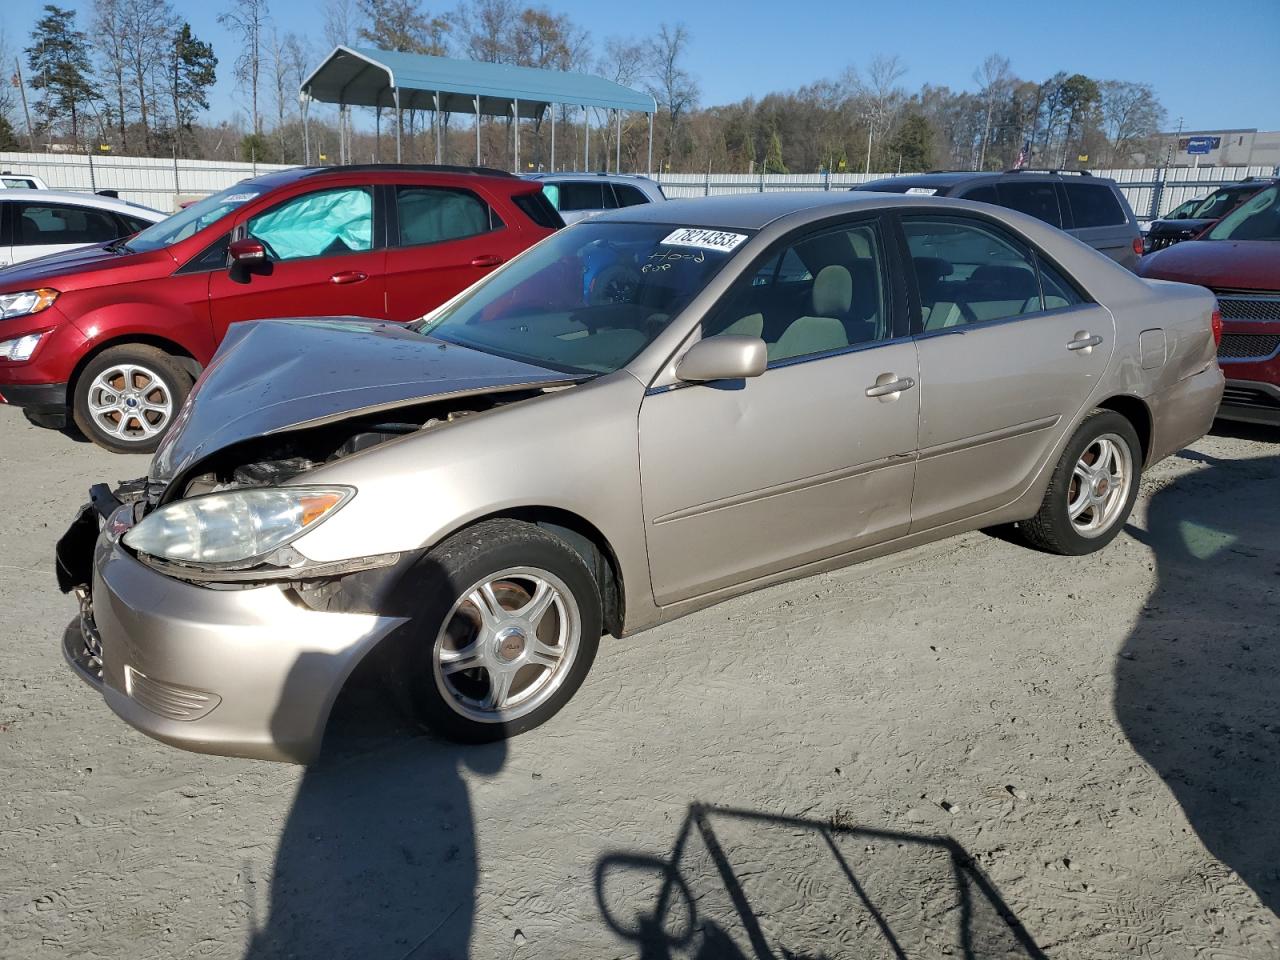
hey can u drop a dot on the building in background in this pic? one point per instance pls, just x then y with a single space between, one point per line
1215 148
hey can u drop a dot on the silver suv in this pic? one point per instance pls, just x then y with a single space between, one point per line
1091 209
579 195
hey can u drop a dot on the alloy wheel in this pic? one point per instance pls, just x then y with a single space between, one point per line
1100 483
130 402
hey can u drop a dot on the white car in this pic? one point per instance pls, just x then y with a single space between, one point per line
579 195
21 181
36 223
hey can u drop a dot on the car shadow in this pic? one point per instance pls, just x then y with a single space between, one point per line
377 857
746 884
1196 681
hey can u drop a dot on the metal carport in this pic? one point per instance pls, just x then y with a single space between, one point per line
365 77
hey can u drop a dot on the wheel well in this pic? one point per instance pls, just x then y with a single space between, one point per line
591 545
1137 413
178 352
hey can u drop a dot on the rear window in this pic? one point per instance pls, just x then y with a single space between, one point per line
538 208
1035 198
435 215
1094 205
582 195
42 224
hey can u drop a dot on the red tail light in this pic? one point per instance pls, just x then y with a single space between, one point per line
1215 322
1137 245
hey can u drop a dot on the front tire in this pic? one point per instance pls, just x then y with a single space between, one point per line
1092 490
127 396
507 630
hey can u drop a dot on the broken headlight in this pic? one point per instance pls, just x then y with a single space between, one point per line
236 527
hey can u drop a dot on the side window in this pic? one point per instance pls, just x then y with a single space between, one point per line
1057 292
1094 205
628 196
326 223
1038 199
62 223
968 272
582 195
434 215
823 293
983 194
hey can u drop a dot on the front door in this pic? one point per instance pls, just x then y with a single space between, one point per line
810 460
1009 354
321 261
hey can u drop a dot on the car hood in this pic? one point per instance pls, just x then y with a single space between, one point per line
274 375
33 273
1224 264
1179 226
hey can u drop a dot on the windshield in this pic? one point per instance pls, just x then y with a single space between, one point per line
194 218
1217 204
1256 219
588 299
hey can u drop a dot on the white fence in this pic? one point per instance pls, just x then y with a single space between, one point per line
154 182
159 183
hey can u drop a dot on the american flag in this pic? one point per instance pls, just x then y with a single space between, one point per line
1023 155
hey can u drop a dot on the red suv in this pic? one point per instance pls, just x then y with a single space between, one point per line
115 334
1239 260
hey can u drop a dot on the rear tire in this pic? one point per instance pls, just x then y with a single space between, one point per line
1092 490
128 396
507 627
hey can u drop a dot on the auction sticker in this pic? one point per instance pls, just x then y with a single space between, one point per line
704 239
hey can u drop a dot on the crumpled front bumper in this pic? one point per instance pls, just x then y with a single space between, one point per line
241 672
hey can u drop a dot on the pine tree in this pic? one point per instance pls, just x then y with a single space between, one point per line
192 71
58 59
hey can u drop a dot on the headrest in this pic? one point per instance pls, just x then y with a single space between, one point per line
832 291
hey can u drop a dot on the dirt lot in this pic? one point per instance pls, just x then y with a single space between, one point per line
969 749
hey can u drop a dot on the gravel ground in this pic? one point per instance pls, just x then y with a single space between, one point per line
968 749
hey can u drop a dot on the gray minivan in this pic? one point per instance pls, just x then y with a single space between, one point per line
1091 209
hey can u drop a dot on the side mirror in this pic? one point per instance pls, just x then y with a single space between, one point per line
728 357
246 251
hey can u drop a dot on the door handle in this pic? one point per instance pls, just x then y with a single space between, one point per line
1083 341
349 276
488 260
888 386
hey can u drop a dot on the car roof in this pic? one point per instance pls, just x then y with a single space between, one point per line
936 179
578 175
80 199
754 211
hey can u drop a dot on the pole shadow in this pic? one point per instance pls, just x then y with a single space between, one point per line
745 884
1196 682
377 857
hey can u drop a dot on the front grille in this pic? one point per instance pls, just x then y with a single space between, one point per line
1248 346
1248 397
1245 305
168 699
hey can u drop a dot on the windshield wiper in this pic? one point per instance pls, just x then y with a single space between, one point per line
119 246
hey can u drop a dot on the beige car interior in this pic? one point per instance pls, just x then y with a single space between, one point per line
823 294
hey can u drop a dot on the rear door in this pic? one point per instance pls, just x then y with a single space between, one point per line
1098 218
325 257
441 240
40 229
1010 352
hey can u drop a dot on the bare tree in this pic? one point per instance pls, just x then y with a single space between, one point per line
148 26
1131 115
288 62
672 85
248 20
994 79
883 96
111 38
339 22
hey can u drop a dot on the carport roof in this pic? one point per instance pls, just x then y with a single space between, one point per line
363 76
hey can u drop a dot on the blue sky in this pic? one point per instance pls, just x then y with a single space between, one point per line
1214 68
